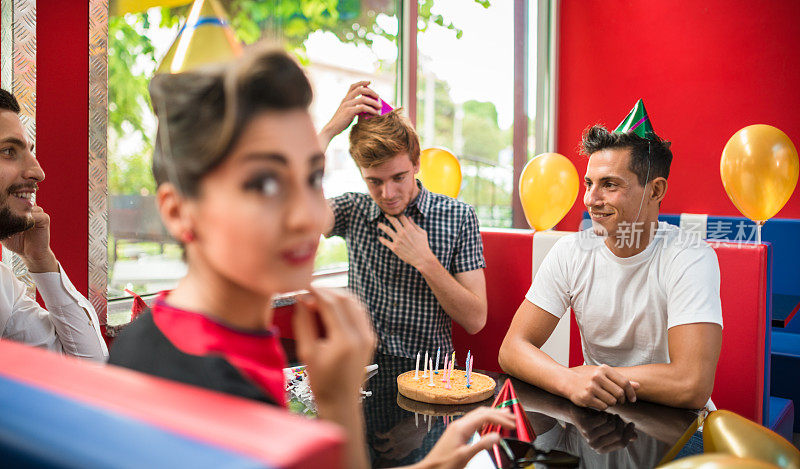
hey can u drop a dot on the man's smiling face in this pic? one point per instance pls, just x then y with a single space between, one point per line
19 175
613 193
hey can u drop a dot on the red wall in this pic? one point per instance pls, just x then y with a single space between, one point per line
62 136
704 70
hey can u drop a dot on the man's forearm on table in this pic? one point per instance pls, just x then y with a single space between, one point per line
669 384
527 362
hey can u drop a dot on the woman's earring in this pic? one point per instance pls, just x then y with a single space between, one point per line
187 236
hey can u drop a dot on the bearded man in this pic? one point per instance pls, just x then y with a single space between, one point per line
69 325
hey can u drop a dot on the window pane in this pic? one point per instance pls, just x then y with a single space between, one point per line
338 43
143 257
465 97
365 47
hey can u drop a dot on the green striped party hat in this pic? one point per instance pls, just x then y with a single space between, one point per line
637 121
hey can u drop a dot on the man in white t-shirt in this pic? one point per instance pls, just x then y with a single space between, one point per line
645 294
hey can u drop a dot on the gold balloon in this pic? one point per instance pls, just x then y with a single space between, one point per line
440 171
548 187
717 461
759 170
726 432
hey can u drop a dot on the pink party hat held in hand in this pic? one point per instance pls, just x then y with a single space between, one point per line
385 109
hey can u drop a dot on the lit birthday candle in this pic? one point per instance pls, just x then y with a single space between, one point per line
466 363
425 371
449 375
430 377
436 370
469 371
444 369
416 370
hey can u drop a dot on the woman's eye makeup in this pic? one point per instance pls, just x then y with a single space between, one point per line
315 179
267 184
270 184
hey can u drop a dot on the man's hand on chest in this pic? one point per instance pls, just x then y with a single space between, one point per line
408 241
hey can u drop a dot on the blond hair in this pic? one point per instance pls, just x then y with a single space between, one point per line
378 139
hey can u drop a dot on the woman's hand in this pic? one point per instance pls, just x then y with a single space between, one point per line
453 449
335 357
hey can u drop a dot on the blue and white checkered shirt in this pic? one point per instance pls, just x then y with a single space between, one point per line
406 315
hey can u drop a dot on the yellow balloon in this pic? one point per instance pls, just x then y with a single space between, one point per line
548 187
726 432
759 170
440 171
717 461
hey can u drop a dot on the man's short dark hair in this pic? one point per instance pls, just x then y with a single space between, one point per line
8 101
654 149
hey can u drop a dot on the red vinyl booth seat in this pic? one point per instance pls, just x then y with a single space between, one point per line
509 264
739 381
282 321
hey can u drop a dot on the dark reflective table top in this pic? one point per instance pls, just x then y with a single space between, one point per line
401 431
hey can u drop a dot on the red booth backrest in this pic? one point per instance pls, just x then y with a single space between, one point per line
739 381
509 258
282 320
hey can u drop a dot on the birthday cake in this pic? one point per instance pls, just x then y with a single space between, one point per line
481 387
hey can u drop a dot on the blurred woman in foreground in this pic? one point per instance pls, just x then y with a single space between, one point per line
239 173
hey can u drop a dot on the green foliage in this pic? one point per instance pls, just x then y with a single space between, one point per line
131 175
130 57
426 17
483 137
491 201
483 140
444 111
128 50
332 252
479 190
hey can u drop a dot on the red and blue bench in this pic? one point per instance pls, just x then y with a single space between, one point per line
63 412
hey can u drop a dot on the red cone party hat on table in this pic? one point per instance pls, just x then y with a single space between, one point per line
507 397
138 306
